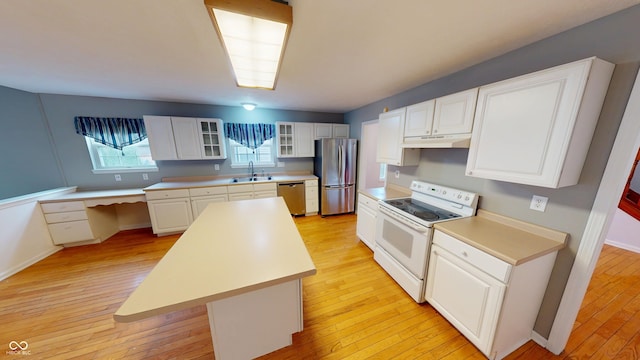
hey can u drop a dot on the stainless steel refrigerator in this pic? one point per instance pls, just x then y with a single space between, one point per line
335 166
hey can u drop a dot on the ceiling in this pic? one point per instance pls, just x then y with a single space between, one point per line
341 55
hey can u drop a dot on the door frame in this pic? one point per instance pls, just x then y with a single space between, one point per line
604 206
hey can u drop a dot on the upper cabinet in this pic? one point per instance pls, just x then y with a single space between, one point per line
536 129
443 122
160 134
182 138
295 139
390 135
329 130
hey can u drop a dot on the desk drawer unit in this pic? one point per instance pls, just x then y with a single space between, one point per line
67 221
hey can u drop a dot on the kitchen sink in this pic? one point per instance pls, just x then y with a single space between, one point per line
251 179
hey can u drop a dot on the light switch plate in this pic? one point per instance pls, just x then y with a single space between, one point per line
118 177
216 167
538 203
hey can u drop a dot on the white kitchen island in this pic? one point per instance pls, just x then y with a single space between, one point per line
245 260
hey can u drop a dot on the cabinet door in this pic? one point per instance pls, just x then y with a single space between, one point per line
340 131
172 215
366 221
419 119
390 136
212 145
160 135
187 137
454 113
525 127
464 295
304 140
198 204
322 130
284 136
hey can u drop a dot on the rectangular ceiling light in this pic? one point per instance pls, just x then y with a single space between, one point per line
254 34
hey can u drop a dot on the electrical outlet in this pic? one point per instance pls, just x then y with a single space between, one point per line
538 203
216 166
145 176
280 163
118 177
397 174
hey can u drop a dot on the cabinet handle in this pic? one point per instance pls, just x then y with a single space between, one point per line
464 253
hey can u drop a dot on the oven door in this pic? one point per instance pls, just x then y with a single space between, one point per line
405 240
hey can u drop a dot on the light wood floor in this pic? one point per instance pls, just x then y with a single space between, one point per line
63 306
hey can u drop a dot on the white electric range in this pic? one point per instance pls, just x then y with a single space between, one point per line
405 230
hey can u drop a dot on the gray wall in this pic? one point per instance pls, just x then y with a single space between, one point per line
38 130
28 162
569 207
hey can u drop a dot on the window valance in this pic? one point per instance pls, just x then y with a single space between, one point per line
113 132
250 135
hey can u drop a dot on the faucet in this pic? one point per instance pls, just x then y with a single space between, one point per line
251 171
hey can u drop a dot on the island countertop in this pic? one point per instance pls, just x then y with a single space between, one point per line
232 248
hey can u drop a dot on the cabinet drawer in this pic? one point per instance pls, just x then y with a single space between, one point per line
311 183
265 187
246 188
62 206
65 216
167 194
368 202
72 231
213 190
478 258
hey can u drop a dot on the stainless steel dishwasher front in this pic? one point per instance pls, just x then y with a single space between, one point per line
294 196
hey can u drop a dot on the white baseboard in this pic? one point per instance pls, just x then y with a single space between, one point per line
25 264
539 339
622 245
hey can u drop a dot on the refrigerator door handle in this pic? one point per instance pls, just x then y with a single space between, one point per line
340 167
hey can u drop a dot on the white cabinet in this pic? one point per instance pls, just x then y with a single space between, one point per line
453 113
67 222
295 139
212 144
252 191
330 130
186 137
419 119
201 197
492 303
169 210
390 137
536 129
311 197
160 134
367 220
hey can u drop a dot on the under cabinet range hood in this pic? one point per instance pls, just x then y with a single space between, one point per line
442 141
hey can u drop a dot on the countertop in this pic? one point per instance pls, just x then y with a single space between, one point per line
232 248
197 182
385 193
116 195
508 239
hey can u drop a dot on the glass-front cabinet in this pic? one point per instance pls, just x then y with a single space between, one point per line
284 132
211 135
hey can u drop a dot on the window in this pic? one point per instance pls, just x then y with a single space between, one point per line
241 155
132 158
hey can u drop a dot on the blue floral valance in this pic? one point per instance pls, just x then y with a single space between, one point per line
113 132
250 135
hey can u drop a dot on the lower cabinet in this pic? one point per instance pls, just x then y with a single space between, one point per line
201 197
311 197
72 223
366 220
170 210
492 303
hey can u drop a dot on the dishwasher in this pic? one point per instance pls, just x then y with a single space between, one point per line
294 196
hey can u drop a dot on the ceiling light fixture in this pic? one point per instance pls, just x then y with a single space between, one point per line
254 35
248 106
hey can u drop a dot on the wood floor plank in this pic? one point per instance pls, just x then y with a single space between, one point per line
63 307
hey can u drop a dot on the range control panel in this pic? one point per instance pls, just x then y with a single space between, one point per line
446 193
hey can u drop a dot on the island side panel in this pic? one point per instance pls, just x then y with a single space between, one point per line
256 323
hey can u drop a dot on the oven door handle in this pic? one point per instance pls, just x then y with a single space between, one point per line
408 222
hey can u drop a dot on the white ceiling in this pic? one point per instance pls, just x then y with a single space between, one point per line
342 54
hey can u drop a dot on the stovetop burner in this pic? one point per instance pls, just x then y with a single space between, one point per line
421 210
